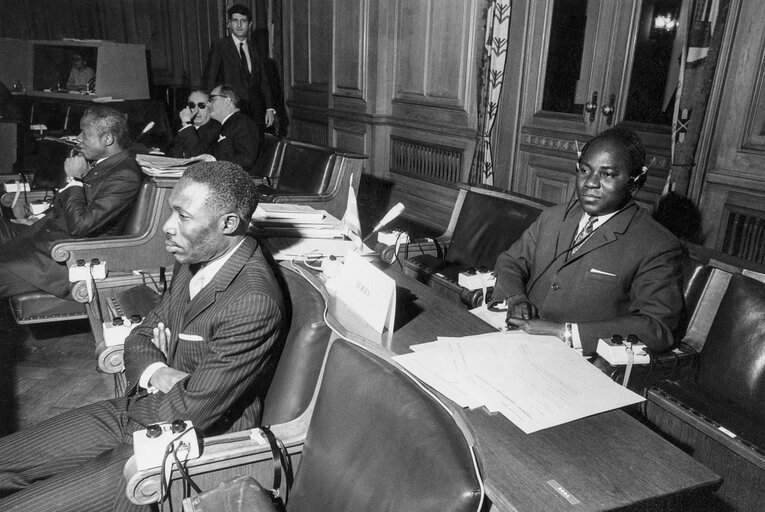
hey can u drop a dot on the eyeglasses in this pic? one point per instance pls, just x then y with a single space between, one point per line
213 96
201 105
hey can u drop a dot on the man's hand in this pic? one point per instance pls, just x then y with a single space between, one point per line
185 115
523 310
270 115
161 337
165 378
537 326
76 166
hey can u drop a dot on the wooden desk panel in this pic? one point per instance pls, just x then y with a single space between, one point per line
602 462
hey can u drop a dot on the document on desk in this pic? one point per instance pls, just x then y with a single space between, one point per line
535 381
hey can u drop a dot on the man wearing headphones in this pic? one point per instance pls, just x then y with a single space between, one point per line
599 265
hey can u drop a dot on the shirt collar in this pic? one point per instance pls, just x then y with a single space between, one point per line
237 42
226 118
207 273
599 220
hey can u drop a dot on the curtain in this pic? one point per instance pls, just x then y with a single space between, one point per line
703 40
490 88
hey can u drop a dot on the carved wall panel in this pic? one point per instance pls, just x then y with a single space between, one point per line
351 31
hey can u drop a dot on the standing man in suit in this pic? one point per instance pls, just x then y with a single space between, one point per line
198 132
94 202
239 137
600 265
235 60
206 354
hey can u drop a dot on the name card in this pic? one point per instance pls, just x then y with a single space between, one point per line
367 291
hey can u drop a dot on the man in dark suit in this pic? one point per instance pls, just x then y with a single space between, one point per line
206 354
598 266
236 61
198 132
239 138
94 202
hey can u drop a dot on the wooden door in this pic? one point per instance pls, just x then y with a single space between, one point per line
591 65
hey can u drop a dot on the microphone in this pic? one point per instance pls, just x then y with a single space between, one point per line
392 214
146 129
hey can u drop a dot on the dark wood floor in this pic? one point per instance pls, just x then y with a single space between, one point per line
46 369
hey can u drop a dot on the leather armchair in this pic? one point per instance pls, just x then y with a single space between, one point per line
718 414
376 441
287 404
484 223
318 176
141 246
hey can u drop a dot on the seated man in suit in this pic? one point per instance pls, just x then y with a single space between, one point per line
206 353
198 131
239 139
599 265
94 202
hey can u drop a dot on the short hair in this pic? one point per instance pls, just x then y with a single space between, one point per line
200 91
239 9
231 189
230 93
108 120
626 140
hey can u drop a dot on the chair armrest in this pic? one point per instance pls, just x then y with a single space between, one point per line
219 453
123 253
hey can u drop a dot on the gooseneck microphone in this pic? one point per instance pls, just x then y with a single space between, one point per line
392 214
146 129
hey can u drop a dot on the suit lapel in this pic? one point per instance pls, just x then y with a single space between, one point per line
206 297
568 228
608 232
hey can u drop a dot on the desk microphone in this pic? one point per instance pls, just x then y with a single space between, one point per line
392 214
146 129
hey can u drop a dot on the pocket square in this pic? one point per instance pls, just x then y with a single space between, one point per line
190 337
221 137
602 272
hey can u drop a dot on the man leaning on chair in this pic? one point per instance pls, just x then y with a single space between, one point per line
94 202
206 353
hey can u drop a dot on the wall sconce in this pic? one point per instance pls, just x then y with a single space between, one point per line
665 22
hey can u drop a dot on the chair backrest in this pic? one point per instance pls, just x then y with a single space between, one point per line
305 169
302 356
378 442
487 225
732 362
267 162
138 220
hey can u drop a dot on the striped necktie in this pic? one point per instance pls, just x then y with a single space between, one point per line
583 234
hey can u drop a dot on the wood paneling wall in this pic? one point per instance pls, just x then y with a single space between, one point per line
176 33
394 79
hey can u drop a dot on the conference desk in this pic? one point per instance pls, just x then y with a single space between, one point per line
603 462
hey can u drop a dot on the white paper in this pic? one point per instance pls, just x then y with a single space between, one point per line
536 382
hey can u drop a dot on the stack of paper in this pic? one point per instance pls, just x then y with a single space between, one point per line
282 212
534 381
295 220
164 166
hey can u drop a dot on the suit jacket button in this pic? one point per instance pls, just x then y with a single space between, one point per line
555 286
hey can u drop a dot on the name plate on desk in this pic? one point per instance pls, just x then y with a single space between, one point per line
367 291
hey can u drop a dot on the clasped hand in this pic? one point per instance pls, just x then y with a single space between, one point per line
76 166
525 316
164 378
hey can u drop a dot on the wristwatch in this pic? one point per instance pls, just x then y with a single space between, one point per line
568 335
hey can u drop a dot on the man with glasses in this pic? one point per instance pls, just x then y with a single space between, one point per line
239 139
199 132
236 60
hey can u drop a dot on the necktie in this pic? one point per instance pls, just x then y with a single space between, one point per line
244 58
583 234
